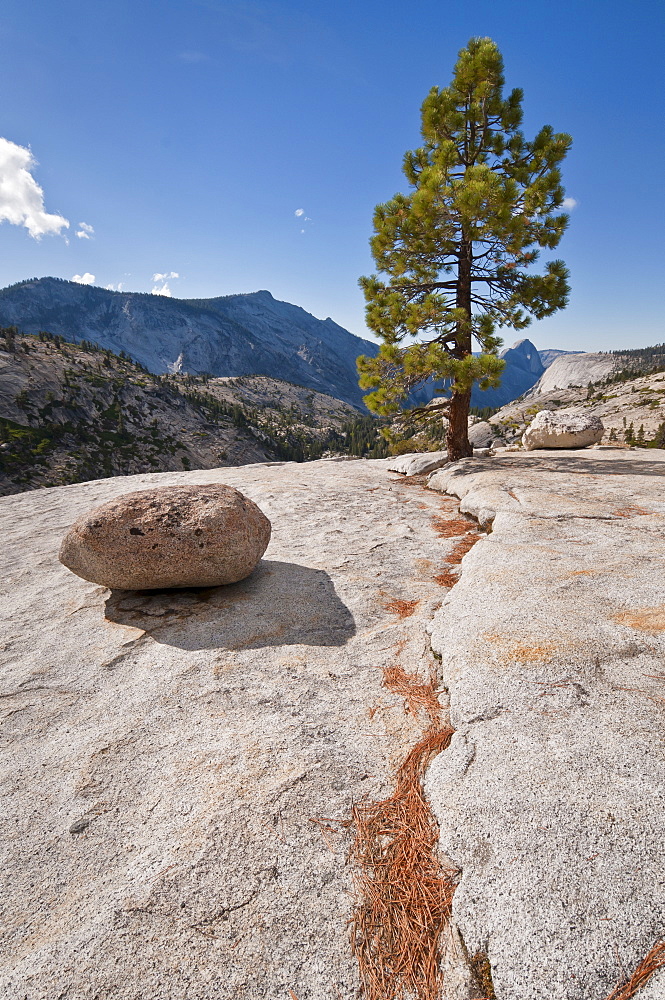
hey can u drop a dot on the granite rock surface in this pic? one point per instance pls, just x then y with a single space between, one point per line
562 429
575 369
418 463
551 797
170 760
178 759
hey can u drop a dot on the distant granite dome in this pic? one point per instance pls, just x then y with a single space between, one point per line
549 355
575 369
250 334
522 371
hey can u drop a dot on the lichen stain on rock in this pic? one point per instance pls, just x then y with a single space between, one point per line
632 510
520 652
645 620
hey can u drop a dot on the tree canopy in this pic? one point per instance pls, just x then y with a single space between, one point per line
458 248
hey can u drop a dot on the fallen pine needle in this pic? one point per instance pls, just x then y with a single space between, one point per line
403 893
652 961
464 545
403 609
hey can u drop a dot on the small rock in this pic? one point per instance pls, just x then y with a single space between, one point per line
79 825
562 429
173 536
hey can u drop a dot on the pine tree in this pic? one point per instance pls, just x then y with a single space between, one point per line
456 249
659 437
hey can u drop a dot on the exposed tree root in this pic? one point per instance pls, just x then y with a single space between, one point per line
652 961
404 893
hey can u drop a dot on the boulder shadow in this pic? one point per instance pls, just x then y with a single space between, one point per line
280 604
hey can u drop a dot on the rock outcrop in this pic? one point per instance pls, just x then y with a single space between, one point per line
574 370
562 429
172 536
629 409
550 797
482 434
418 463
176 758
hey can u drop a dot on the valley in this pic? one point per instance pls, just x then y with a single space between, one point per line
70 413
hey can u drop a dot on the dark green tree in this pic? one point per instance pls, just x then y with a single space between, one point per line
659 437
456 250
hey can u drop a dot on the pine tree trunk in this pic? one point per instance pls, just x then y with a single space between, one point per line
457 439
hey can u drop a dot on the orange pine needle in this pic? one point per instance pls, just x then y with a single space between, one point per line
652 961
404 895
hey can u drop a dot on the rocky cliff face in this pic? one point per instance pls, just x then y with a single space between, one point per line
233 335
522 371
550 354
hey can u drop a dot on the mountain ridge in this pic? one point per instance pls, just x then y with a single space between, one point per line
244 333
208 336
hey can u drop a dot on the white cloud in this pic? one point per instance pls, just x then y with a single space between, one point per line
114 288
569 204
85 231
301 217
163 288
21 198
84 279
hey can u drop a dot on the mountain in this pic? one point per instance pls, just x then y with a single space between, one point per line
230 336
252 334
523 369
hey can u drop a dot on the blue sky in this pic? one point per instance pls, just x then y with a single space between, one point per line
188 133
